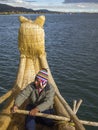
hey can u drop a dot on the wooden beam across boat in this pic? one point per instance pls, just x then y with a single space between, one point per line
56 117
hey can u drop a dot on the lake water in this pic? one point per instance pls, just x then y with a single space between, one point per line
72 53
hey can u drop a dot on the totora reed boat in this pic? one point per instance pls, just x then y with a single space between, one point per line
32 58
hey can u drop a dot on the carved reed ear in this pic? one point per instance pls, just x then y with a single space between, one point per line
40 20
23 19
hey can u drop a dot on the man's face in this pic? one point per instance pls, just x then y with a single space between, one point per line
38 83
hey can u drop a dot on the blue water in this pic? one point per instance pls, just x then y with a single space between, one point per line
72 53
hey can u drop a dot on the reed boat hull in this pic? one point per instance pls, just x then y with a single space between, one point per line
32 58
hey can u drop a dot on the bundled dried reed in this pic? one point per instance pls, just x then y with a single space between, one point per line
31 37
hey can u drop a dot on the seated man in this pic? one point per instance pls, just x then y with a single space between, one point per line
41 96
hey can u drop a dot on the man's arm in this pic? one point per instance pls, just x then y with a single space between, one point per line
23 95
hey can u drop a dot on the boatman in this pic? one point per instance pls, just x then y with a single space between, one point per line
41 97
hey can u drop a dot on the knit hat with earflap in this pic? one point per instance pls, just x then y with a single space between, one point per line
43 76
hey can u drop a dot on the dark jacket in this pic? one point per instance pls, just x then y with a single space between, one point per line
43 101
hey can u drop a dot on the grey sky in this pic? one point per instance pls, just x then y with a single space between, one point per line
80 1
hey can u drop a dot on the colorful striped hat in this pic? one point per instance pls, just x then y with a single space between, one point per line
42 75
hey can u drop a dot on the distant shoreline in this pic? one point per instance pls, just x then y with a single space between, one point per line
8 13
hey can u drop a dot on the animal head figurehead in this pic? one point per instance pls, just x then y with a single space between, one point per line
32 36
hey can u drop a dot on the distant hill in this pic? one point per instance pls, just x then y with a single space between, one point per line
7 8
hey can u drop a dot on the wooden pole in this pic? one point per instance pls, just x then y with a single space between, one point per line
90 123
78 105
71 113
55 117
74 105
50 116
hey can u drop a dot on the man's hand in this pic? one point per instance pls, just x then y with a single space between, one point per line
14 108
43 86
34 111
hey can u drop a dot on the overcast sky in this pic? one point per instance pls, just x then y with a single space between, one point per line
56 5
82 1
